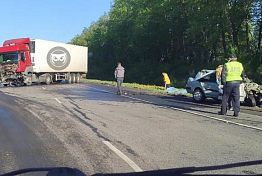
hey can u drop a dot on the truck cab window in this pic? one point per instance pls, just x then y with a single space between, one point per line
9 58
32 46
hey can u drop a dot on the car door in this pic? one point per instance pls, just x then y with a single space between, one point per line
210 85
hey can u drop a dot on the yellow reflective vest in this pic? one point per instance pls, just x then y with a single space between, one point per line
234 71
166 78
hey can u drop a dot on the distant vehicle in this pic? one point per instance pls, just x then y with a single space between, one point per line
205 85
24 61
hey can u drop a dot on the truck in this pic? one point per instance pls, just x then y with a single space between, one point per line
24 61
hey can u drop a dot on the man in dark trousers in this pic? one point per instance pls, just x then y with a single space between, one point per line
232 76
119 75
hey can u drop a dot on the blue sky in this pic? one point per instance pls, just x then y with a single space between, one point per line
57 20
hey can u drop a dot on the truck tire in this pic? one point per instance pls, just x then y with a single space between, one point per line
78 77
18 83
250 100
198 95
69 78
48 79
29 80
73 75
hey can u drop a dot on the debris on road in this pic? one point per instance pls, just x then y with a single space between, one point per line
176 91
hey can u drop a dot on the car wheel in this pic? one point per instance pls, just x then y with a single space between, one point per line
198 95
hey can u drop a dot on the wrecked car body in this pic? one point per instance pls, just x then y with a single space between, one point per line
206 85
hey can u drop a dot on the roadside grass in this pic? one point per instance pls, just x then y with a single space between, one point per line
149 88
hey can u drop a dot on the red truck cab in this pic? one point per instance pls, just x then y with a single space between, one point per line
19 51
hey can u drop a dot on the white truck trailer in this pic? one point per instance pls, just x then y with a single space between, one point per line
24 61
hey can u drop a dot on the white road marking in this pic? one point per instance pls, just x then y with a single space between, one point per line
198 114
35 114
131 163
58 101
203 105
43 88
186 111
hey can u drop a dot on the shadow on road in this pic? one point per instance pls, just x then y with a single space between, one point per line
50 171
65 171
190 170
100 95
92 94
190 108
210 103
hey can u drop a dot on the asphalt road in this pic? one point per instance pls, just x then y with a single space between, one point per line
91 128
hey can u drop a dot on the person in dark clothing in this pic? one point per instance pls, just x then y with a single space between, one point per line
232 76
230 104
119 76
218 78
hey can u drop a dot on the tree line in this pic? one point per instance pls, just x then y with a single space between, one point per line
179 37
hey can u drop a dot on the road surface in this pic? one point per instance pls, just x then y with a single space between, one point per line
91 128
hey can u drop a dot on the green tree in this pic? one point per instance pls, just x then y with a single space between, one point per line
176 36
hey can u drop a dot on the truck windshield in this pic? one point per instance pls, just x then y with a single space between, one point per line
9 57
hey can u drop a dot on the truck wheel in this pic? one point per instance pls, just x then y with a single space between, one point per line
69 78
48 79
73 77
28 80
198 95
18 83
250 100
78 77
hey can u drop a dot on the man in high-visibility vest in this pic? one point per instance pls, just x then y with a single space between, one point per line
232 76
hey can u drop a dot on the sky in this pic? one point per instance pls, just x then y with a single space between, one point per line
56 20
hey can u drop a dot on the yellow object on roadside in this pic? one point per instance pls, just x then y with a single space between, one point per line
219 71
166 78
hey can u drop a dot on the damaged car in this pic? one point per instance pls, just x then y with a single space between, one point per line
205 85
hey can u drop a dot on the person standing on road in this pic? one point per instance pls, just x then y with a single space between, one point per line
232 74
119 76
218 78
218 74
166 80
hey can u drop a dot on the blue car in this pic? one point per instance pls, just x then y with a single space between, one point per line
204 85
